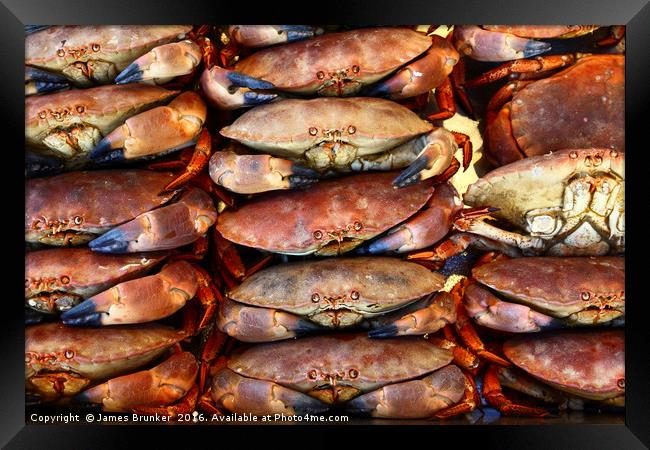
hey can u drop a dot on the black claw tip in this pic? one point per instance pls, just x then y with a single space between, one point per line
534 48
305 328
104 152
296 182
297 169
242 80
411 174
111 242
384 332
84 314
132 74
256 98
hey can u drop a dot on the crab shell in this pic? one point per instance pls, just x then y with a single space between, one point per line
59 48
558 286
95 354
348 288
544 31
102 107
590 364
91 202
582 106
334 369
539 182
290 127
359 57
80 272
330 217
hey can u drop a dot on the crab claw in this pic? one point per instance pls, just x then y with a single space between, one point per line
162 385
38 165
484 45
141 300
422 75
158 130
436 151
424 229
29 29
38 81
265 35
251 174
168 227
431 316
227 89
162 63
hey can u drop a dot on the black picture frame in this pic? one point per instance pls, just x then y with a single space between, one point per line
635 14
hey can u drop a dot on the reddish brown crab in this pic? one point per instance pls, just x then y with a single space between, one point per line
89 204
390 378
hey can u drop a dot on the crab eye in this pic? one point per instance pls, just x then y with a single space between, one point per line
80 109
315 298
312 374
356 69
65 279
585 296
318 234
621 383
95 47
313 131
60 52
69 354
320 74
358 226
354 295
42 114
78 220
352 129
354 373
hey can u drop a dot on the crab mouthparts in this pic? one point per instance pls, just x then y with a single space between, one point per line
333 393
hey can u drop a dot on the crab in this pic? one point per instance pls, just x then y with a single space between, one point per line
547 292
62 361
394 62
89 207
88 55
337 215
332 134
106 123
570 368
582 106
569 202
390 378
58 279
393 296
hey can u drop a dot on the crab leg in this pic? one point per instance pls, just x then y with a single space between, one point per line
265 35
163 63
467 404
477 225
494 395
251 174
162 385
413 399
252 324
435 313
199 160
436 151
425 228
484 45
228 89
170 226
245 395
158 130
539 64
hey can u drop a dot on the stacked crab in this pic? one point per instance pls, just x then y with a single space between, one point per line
374 333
